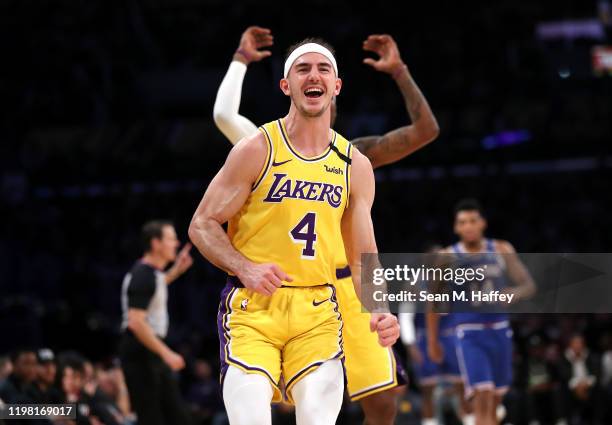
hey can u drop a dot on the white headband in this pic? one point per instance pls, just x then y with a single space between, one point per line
309 48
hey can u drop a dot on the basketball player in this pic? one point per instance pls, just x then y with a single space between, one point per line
371 369
290 192
484 340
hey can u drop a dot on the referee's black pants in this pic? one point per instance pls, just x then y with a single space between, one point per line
154 392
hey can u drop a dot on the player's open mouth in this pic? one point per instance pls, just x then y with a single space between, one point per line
313 92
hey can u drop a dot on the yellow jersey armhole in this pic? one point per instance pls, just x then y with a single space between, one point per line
349 154
266 167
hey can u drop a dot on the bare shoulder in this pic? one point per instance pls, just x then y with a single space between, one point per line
361 163
362 174
247 158
503 247
361 170
253 144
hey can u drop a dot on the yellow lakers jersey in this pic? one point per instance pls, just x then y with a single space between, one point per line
292 216
341 259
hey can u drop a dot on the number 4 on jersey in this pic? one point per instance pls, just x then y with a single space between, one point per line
304 233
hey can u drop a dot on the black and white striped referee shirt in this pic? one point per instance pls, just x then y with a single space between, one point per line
144 287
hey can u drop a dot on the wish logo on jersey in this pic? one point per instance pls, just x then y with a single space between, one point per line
299 189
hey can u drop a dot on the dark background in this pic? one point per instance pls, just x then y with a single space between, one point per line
107 122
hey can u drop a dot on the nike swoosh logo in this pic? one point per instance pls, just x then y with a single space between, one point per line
276 164
315 303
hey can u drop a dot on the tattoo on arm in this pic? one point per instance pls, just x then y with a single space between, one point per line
413 98
402 141
388 148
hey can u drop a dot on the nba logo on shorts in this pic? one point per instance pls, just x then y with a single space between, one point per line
243 304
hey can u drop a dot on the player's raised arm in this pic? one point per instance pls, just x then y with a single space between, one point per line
358 236
224 197
225 113
523 284
403 141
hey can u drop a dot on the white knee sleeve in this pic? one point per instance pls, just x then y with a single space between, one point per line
247 398
318 396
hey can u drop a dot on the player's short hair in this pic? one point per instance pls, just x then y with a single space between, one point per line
468 204
152 230
317 40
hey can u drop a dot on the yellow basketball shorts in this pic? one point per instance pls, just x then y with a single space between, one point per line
369 367
288 334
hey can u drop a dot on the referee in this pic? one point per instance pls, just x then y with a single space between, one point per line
147 361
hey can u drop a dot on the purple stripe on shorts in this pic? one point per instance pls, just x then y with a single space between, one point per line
334 299
221 328
225 310
400 373
301 372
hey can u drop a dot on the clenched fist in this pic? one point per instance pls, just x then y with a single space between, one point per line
263 278
387 327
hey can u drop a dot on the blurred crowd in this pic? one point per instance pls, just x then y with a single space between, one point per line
98 390
563 384
562 375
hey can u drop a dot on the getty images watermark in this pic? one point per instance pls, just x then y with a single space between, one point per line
477 290
488 282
